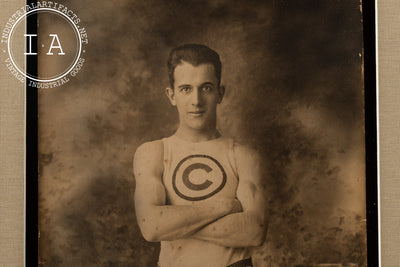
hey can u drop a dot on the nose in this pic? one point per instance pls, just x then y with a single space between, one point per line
197 98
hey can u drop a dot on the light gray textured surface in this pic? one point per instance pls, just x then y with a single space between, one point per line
12 99
389 114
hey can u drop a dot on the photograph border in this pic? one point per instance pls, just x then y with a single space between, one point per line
386 92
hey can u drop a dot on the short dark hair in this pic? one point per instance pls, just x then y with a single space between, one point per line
194 54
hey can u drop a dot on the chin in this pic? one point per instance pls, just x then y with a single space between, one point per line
198 126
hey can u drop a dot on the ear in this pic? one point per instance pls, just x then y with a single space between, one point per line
221 92
171 95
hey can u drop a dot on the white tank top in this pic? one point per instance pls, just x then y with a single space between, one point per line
195 172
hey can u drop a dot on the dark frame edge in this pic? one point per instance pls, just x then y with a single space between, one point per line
369 38
31 179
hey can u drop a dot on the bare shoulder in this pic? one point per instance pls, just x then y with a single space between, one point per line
149 158
246 153
248 163
153 148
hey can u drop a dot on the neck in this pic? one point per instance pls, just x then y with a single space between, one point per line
193 135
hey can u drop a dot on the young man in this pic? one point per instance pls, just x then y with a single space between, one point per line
198 193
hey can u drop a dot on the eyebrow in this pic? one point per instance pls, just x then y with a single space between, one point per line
207 83
188 85
184 85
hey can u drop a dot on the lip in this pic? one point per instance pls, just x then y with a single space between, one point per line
197 113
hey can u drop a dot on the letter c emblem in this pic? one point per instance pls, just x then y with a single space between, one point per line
188 170
198 177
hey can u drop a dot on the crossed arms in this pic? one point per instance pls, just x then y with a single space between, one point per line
227 222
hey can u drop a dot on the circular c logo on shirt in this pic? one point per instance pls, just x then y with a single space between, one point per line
198 177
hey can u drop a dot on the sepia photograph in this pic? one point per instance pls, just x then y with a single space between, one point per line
203 133
207 133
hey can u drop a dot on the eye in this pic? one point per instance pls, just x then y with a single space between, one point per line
207 88
185 89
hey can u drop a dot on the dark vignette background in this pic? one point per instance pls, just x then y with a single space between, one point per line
293 73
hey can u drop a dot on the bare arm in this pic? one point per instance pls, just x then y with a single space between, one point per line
247 228
159 221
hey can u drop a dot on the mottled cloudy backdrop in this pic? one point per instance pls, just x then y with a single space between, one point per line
294 91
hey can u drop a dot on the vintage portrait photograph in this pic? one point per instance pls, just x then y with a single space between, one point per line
208 133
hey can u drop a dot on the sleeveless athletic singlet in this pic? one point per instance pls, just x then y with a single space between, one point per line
194 172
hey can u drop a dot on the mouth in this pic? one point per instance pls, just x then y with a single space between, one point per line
197 112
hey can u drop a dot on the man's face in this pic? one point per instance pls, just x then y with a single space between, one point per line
196 95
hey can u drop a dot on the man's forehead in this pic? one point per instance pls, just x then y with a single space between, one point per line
186 73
